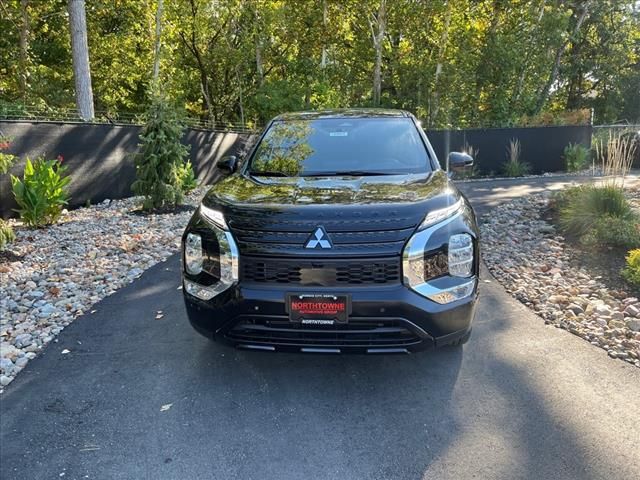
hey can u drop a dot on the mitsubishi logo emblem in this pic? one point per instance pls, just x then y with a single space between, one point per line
319 238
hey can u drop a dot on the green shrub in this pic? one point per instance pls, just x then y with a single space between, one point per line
580 208
631 272
514 167
6 161
576 157
42 193
6 234
613 232
161 154
186 177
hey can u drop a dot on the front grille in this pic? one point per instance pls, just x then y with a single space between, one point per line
320 273
358 334
362 233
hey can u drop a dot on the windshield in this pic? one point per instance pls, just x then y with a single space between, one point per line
341 146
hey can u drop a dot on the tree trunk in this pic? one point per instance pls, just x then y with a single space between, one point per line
240 96
259 65
525 64
323 59
158 45
259 45
80 53
485 65
24 48
378 24
553 76
435 102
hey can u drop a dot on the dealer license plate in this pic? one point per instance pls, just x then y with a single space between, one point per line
318 309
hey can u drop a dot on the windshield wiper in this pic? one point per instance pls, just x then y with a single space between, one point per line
349 173
268 173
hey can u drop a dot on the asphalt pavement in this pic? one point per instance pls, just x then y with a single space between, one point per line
145 398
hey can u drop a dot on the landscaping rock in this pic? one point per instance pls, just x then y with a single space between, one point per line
533 263
59 272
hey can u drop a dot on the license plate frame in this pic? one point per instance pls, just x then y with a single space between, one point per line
318 308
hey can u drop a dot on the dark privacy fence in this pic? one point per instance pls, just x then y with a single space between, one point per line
100 157
541 147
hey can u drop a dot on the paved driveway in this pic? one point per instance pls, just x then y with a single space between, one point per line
521 400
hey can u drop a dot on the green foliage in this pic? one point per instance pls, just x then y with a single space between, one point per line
631 272
514 166
613 231
160 156
466 63
186 177
6 234
6 159
42 193
598 215
576 157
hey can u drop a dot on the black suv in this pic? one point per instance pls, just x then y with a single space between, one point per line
339 232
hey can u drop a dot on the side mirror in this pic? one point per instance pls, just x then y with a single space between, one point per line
228 164
459 160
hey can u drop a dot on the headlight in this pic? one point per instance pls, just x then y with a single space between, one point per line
193 254
214 217
441 274
201 279
460 258
437 216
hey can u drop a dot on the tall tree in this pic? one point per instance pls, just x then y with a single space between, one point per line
24 47
80 53
378 25
158 42
579 17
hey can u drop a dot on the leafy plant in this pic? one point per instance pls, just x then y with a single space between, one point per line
576 157
42 193
600 212
6 234
160 157
514 167
613 232
186 177
631 272
6 159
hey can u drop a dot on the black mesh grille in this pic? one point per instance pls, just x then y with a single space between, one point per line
369 334
322 273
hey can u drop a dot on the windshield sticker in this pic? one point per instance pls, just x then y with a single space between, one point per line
338 134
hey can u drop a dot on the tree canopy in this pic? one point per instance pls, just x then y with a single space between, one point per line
462 63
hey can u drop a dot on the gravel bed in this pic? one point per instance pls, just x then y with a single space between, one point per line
51 276
590 172
532 261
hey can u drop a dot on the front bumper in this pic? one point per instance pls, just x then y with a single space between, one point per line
389 319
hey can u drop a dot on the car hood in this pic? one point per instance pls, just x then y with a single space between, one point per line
275 192
364 216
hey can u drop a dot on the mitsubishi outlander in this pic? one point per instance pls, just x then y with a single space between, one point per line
338 232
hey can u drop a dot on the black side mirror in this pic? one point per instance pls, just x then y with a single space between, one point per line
460 160
228 164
